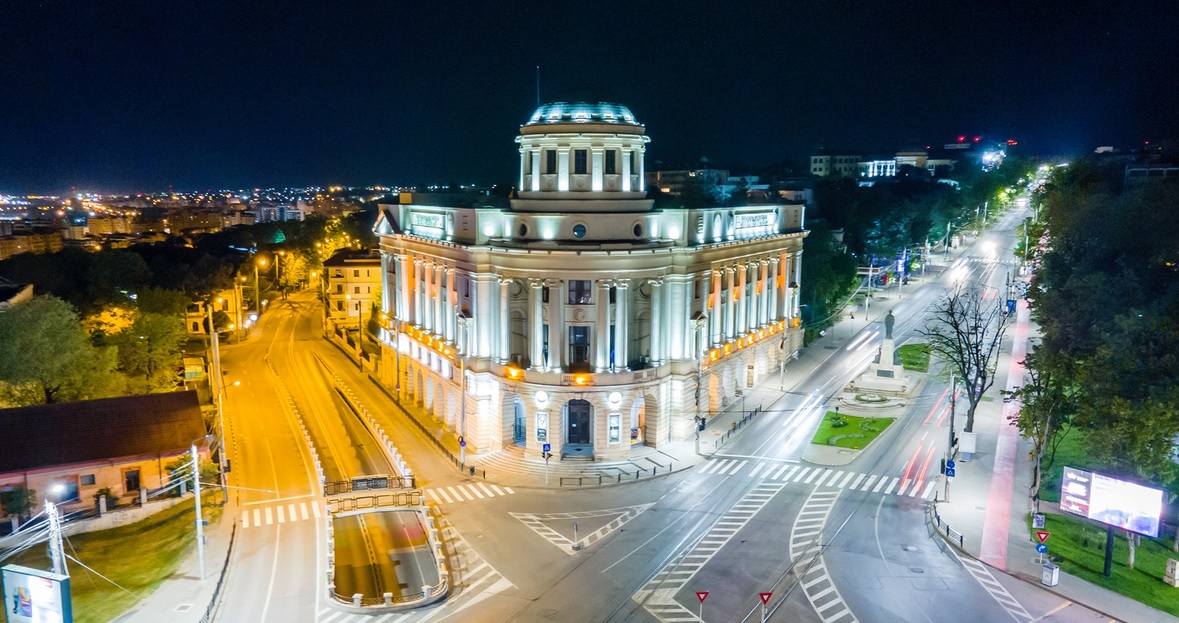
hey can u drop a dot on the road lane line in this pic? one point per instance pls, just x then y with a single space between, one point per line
315 509
756 469
281 517
868 483
812 476
892 484
509 490
466 494
441 493
929 489
880 484
484 487
457 496
803 472
498 491
303 511
738 468
246 519
730 464
475 491
333 617
779 472
269 516
843 483
291 511
714 465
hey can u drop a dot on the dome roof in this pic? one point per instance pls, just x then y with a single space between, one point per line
582 112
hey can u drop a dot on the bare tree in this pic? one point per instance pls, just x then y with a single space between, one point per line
1045 413
964 334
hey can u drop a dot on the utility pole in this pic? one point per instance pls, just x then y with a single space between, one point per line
950 441
200 524
216 386
56 554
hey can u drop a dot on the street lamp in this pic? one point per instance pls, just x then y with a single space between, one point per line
257 294
196 488
464 323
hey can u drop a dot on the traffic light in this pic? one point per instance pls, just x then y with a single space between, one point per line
942 469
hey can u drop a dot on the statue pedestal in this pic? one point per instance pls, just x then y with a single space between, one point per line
886 376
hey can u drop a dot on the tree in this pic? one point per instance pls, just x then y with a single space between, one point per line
964 333
1045 412
18 501
150 351
46 356
830 276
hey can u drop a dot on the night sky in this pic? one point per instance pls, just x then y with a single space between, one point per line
195 95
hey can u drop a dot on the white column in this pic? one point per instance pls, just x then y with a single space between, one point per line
439 300
742 299
431 298
563 168
448 304
772 291
536 326
763 294
536 169
625 170
731 304
419 267
753 302
602 326
705 308
621 323
505 320
784 287
715 313
523 166
656 321
558 344
402 288
597 156
642 180
483 315
797 277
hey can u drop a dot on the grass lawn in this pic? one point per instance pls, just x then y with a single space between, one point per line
1077 546
915 357
138 557
857 434
1072 452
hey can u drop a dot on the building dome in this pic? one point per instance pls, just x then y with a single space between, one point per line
582 112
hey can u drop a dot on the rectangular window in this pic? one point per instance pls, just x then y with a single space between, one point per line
131 480
696 289
87 480
611 157
339 305
356 289
613 295
579 292
579 345
579 162
64 491
615 427
550 161
544 294
339 288
355 273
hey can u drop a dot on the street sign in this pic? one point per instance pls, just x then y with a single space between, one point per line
950 472
1011 306
1042 548
950 465
548 447
701 595
463 443
765 597
1043 535
1038 521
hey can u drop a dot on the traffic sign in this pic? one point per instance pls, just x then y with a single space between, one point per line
765 597
1043 535
547 447
1042 548
950 472
950 464
701 595
462 443
1038 521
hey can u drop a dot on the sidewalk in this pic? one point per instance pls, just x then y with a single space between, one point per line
979 487
183 597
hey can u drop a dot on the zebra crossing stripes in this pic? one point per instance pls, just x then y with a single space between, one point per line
465 493
823 477
273 514
806 552
984 577
658 595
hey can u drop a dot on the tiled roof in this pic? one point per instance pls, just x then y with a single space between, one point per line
95 430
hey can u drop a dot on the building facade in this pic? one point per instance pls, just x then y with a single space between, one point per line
352 281
578 315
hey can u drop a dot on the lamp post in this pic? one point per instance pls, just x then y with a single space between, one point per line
950 444
257 289
464 323
196 488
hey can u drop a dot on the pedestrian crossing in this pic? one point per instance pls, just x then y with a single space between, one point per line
806 550
280 513
778 471
465 493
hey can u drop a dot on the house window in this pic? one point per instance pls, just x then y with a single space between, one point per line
131 480
339 273
355 273
339 288
356 289
63 491
87 480
550 161
339 305
579 292
611 157
544 294
579 345
579 161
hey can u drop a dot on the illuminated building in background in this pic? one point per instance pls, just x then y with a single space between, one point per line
578 314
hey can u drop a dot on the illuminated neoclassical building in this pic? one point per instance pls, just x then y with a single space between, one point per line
580 315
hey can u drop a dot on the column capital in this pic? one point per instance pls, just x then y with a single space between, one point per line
536 283
657 281
604 284
622 283
503 280
553 283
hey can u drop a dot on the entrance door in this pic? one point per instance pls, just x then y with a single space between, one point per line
519 429
579 422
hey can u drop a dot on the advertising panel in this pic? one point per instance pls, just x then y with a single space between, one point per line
1121 504
33 596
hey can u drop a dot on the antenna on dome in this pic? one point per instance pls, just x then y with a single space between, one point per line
538 86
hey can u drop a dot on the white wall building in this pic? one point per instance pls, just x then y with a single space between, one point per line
580 315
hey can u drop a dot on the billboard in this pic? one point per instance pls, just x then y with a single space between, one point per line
1119 503
34 596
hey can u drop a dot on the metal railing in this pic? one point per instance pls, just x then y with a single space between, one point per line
621 476
369 483
952 535
736 426
220 578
